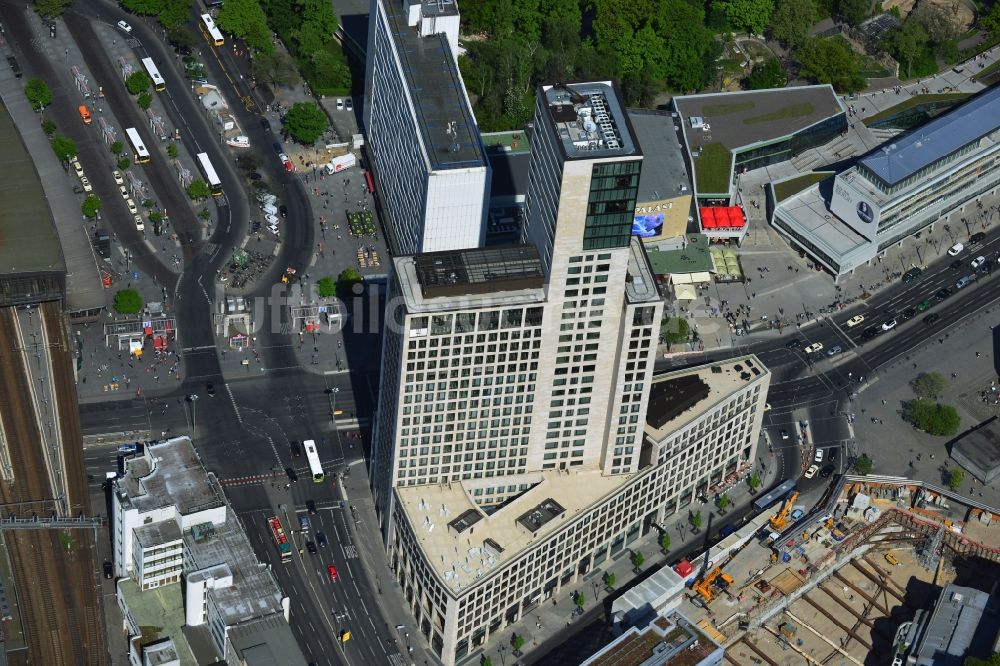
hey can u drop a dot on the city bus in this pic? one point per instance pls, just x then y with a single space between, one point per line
212 33
280 539
138 147
158 83
207 170
313 457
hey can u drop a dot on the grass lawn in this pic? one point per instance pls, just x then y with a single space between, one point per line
986 70
912 102
714 169
716 110
793 186
792 111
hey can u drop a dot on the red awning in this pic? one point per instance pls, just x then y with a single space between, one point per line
148 330
722 217
683 568
159 342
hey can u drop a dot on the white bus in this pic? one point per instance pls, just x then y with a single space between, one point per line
141 154
208 171
212 33
313 457
158 83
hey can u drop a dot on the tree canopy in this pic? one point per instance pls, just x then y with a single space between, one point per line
90 205
931 417
346 281
306 27
38 93
930 385
831 61
791 20
769 74
245 19
64 147
749 15
275 69
127 301
198 189
49 9
955 478
305 122
864 465
326 287
854 11
138 82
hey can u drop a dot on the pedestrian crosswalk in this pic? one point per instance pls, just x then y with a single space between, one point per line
396 659
351 552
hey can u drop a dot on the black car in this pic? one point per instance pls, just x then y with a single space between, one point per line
977 237
256 226
321 539
870 332
955 265
283 210
311 507
909 313
826 471
265 124
943 293
108 569
794 344
292 476
256 175
52 30
311 547
210 389
296 449
189 236
931 318
277 147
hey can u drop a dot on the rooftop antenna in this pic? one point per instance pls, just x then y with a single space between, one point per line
453 134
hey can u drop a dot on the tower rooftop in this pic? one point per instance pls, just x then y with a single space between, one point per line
590 120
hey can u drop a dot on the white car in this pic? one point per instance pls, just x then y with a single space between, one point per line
272 220
116 174
123 191
138 223
87 187
855 320
818 458
124 27
78 168
273 228
131 206
340 104
811 472
814 347
978 261
956 249
889 325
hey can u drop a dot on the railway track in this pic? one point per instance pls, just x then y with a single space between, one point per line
55 571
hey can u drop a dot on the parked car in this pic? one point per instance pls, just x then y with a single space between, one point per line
271 219
283 211
139 225
912 274
340 104
349 104
117 175
265 124
122 190
956 249
108 569
286 162
819 456
977 237
132 208
277 147
87 187
826 471
77 167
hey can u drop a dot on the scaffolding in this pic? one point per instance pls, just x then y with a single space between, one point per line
81 81
138 189
183 174
156 125
125 67
108 131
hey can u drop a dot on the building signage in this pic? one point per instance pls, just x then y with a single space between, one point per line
854 209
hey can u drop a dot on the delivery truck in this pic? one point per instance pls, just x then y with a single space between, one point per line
338 164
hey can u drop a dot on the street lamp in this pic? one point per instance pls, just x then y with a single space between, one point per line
193 398
503 650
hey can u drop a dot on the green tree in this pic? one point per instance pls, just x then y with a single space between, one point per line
932 417
769 74
275 69
64 147
930 385
907 43
204 214
246 20
124 163
831 61
516 642
143 7
755 481
305 122
749 15
723 502
91 205
50 9
637 559
485 660
180 37
864 465
145 100
993 660
991 22
854 11
127 301
609 579
955 478
326 287
38 94
117 147
48 127
696 520
579 600
172 150
174 13
327 70
138 82
346 281
791 21
665 542
155 216
249 162
198 189
675 330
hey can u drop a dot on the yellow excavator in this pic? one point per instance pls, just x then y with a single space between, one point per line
716 577
779 521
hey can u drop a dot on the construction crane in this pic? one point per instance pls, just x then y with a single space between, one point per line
716 577
779 521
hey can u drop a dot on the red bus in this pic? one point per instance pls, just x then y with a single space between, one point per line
280 538
370 181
